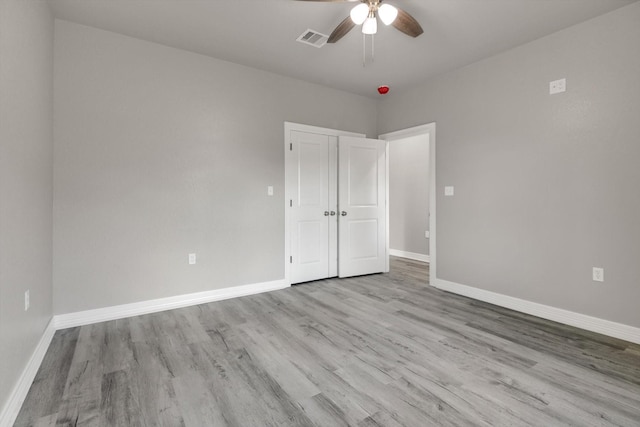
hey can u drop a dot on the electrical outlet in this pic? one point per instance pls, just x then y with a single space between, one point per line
27 302
427 234
598 274
448 190
192 259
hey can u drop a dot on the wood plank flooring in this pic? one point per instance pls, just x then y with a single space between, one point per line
380 350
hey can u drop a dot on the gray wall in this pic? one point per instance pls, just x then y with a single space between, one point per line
409 194
26 121
546 187
161 152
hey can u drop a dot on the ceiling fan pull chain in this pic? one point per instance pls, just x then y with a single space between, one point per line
364 50
373 55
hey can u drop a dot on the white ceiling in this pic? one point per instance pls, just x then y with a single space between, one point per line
262 33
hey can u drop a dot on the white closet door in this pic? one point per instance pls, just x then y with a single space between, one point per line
310 207
362 204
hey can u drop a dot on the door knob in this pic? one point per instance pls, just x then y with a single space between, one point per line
333 213
326 213
343 213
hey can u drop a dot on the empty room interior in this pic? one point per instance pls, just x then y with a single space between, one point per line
319 212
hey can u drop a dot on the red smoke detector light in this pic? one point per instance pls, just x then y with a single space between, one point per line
383 90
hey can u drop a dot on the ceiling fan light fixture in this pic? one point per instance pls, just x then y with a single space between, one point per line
387 14
359 13
370 25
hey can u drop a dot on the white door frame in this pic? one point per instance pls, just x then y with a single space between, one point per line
428 129
288 127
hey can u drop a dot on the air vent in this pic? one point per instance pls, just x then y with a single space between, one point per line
313 38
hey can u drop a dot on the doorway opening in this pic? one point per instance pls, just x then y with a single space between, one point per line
412 221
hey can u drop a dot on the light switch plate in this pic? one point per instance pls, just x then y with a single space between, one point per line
270 190
448 190
557 86
192 259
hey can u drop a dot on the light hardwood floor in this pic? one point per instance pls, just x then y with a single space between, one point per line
380 350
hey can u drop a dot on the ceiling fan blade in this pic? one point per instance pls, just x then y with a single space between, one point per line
407 24
341 30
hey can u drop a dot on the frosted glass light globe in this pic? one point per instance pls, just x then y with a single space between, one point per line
359 13
387 14
370 26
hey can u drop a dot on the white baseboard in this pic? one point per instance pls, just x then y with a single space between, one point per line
19 393
88 317
593 324
409 255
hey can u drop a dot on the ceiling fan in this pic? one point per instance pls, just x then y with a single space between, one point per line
366 14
